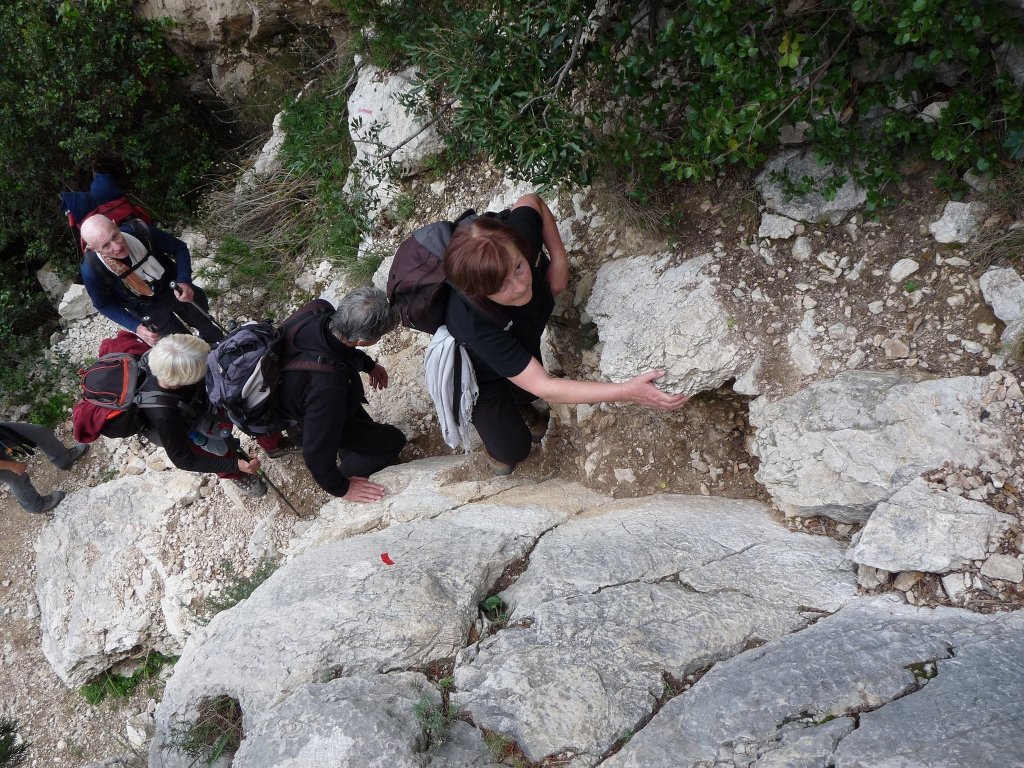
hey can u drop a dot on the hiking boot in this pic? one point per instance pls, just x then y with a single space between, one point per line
285 447
76 453
499 468
251 485
50 501
536 422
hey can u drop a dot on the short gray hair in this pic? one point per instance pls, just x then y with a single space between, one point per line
363 315
178 360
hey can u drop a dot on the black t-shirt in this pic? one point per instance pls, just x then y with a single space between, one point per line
497 353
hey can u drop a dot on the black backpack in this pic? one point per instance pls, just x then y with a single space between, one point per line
243 372
111 398
416 284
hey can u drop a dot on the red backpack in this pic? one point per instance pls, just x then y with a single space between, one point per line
104 197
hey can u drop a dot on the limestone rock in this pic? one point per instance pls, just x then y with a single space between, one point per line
923 529
652 315
903 269
812 207
356 722
1003 289
839 447
52 284
613 600
909 689
958 224
102 579
775 227
76 304
418 491
341 607
1004 567
379 123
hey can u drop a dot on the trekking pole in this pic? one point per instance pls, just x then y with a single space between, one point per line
240 452
176 288
150 326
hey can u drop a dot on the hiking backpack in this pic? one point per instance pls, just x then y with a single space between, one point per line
416 284
105 197
112 404
243 372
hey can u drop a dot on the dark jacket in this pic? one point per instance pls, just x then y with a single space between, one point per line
323 403
172 430
108 293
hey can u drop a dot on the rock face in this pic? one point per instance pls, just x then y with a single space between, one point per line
813 206
353 722
357 614
104 588
902 673
230 22
390 140
840 447
614 603
688 333
611 602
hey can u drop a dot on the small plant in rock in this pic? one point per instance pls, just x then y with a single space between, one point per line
13 751
120 687
237 587
217 731
435 719
495 610
923 671
504 750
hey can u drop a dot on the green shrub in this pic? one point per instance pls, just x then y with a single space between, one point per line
668 92
266 230
120 687
236 588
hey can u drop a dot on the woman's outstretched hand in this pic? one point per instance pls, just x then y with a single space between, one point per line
643 392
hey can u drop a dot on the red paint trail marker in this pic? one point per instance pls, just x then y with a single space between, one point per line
386 558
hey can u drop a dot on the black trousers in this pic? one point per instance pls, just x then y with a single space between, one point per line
367 446
496 417
167 315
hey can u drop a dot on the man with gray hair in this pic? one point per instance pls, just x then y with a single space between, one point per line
328 406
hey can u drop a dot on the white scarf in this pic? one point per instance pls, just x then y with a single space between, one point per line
443 354
151 270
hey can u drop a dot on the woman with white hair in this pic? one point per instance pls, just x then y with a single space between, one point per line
177 367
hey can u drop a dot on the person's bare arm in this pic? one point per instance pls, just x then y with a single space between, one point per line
17 467
640 389
558 272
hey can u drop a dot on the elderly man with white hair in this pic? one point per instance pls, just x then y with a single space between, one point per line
128 271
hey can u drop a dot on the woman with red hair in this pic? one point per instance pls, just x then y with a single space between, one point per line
505 293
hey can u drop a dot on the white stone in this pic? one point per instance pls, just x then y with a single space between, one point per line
1004 567
903 269
775 227
922 529
76 304
691 336
958 224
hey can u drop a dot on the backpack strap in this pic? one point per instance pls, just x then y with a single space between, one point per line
139 230
301 359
